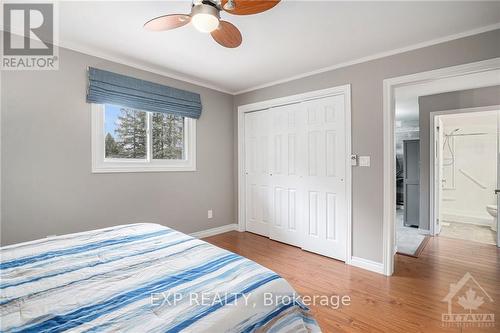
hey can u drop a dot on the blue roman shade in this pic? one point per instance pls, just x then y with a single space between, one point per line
110 88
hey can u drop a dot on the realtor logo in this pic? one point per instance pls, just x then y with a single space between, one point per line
464 301
29 32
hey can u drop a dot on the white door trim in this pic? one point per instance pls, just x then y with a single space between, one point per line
264 105
432 187
389 190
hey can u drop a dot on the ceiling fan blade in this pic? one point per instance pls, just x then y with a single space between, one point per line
248 7
227 35
167 22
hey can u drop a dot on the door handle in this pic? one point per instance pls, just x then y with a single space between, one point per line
497 191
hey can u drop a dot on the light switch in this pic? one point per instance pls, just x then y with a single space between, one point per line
210 214
364 161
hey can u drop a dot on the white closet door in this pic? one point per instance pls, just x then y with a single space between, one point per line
258 208
325 214
285 169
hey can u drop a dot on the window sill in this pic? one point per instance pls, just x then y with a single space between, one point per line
141 168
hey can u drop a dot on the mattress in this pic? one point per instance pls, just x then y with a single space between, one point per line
142 278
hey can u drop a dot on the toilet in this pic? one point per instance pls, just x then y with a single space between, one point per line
493 211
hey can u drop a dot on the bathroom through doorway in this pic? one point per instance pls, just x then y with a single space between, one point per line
464 174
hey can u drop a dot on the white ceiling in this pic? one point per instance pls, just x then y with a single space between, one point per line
294 38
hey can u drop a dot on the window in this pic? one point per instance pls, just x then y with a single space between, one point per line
129 140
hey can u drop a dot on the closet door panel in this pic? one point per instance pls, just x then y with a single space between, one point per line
259 201
295 162
324 178
285 179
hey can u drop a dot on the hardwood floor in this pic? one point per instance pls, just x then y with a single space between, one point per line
408 301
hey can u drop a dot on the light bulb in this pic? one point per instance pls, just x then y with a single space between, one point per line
205 22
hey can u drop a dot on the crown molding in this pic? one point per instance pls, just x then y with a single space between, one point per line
199 82
139 65
375 56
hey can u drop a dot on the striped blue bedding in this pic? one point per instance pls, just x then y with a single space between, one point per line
141 278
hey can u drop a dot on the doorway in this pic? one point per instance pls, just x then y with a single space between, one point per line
410 238
468 76
465 174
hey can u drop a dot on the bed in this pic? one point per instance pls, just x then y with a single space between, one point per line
142 278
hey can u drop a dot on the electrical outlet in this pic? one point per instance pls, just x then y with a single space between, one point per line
210 214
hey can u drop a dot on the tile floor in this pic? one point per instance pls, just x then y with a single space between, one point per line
407 239
466 231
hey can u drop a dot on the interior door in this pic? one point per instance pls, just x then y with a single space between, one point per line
323 178
497 191
438 171
285 174
258 207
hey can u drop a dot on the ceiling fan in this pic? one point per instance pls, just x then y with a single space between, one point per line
205 16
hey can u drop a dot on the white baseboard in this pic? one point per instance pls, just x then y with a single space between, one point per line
214 231
370 265
467 218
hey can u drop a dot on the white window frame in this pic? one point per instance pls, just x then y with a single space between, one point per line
101 164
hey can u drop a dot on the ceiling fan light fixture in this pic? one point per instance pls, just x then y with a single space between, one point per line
205 18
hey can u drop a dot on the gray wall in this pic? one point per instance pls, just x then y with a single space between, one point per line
442 102
47 184
367 126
